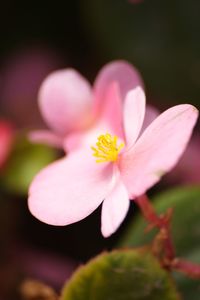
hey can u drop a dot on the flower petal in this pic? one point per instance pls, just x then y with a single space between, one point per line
151 114
114 208
7 135
111 115
69 189
158 149
65 101
46 137
110 121
134 111
121 72
84 140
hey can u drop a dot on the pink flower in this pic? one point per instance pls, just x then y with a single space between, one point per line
108 161
70 106
21 75
6 140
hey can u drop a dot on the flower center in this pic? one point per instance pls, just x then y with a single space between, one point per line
106 148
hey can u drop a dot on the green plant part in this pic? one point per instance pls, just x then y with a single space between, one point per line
185 228
25 162
121 275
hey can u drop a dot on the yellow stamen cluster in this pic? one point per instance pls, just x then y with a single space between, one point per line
106 148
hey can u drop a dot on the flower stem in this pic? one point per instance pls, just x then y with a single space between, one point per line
162 246
161 222
190 269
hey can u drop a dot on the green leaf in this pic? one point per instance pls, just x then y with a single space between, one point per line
121 275
25 162
185 231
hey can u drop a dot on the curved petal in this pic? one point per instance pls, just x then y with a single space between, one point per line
65 100
110 121
69 189
151 114
158 149
134 111
84 140
112 111
121 72
46 137
114 209
74 141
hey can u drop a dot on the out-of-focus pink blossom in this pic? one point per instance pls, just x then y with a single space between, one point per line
6 140
70 106
21 76
123 164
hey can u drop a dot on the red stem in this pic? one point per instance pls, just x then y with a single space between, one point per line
190 269
161 222
148 211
